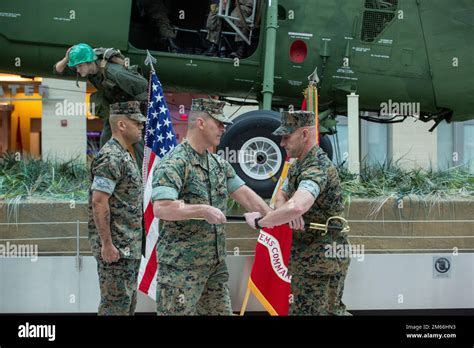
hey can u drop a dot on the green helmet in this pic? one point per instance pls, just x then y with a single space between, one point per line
81 53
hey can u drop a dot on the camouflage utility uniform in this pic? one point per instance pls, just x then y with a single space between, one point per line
157 13
317 281
115 172
214 23
119 85
192 272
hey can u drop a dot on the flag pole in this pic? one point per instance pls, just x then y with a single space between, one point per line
153 153
278 187
246 300
150 60
310 104
312 98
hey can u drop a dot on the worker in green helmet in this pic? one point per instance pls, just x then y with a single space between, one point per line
115 82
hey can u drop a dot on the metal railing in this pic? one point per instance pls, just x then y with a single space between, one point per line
77 237
224 14
239 252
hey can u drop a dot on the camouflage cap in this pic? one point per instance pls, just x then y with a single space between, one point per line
291 121
131 109
213 108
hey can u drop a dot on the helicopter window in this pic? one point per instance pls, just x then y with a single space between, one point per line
281 13
184 27
375 20
388 5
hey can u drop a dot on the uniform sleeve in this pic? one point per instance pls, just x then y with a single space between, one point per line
309 177
233 180
107 172
310 186
132 83
168 180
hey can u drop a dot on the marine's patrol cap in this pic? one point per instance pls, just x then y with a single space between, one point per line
131 109
291 121
213 108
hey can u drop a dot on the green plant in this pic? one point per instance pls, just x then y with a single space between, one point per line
390 179
29 177
25 177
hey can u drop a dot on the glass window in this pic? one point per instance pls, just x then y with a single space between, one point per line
376 143
445 145
166 26
339 142
468 148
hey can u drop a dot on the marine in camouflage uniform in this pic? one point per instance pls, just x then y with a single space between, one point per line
214 23
115 172
117 84
192 272
317 281
157 13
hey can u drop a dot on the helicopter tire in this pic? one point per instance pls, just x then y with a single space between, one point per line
255 153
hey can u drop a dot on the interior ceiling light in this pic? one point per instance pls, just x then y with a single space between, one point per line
18 78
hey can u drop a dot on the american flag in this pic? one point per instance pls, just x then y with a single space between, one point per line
160 138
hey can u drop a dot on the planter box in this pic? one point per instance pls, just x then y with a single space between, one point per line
414 225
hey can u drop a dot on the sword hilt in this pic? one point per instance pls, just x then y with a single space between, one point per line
326 227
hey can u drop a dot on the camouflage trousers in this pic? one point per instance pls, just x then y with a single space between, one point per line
318 290
118 286
137 148
157 14
193 291
214 23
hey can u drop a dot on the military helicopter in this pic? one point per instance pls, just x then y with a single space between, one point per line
400 51
404 51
